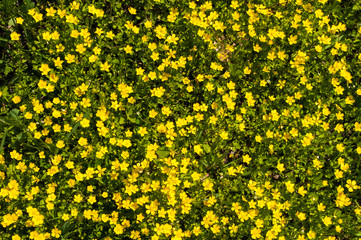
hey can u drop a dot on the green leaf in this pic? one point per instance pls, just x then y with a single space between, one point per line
72 131
11 22
6 121
163 153
19 136
10 169
67 229
356 7
207 148
121 120
130 116
3 140
329 150
15 114
29 4
236 145
75 127
204 163
133 120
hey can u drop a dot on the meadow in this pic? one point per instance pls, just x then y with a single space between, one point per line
174 119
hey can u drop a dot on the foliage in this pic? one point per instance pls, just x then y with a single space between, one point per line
173 119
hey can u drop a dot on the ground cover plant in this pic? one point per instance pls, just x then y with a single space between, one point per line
174 119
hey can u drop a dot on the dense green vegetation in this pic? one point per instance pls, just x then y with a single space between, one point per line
173 119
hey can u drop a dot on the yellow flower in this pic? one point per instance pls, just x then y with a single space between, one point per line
38 17
56 114
339 90
19 20
15 237
351 185
46 36
60 144
311 234
280 167
55 35
85 123
15 36
91 9
70 58
241 126
166 110
338 174
99 31
153 113
55 233
132 11
74 5
96 50
349 100
53 78
69 164
161 32
148 24
60 47
152 75
44 69
247 159
327 221
42 84
16 99
110 35
258 138
83 141
71 19
198 149
74 33
302 191
301 215
80 48
256 233
318 48
92 199
358 150
99 13
93 58
104 66
247 70
119 229
50 12
31 12
224 135
339 128
142 131
38 135
340 147
208 185
128 49
290 186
